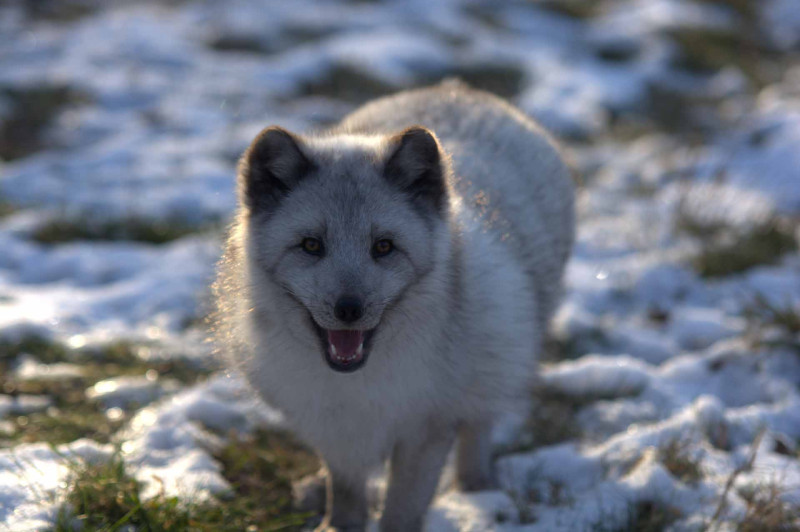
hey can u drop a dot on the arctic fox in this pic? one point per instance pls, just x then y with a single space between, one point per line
387 284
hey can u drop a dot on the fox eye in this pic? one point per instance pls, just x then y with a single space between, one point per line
312 246
382 247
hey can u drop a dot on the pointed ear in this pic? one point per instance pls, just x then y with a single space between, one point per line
415 166
271 166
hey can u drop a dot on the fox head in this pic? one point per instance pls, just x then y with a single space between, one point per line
342 227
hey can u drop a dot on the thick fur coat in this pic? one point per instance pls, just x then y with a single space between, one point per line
476 205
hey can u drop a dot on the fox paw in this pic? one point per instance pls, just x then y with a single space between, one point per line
349 528
308 493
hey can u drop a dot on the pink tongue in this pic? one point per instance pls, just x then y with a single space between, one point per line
346 344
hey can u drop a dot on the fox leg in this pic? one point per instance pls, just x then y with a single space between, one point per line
415 467
346 506
474 457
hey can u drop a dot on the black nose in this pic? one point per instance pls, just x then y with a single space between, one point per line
348 309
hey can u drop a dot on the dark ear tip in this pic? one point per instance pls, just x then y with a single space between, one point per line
422 140
417 132
272 136
273 163
273 130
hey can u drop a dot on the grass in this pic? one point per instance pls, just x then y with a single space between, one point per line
506 80
642 516
59 10
726 251
239 43
57 425
763 316
290 36
551 421
72 416
786 317
705 51
651 516
104 497
747 9
261 469
758 246
766 511
676 458
6 209
617 53
98 362
22 131
670 110
577 9
574 346
350 84
345 82
47 351
129 229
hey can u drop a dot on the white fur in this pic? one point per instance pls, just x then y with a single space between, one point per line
462 348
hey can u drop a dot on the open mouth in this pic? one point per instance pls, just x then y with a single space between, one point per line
345 350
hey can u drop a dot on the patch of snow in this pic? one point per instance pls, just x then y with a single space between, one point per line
31 369
124 392
466 512
23 404
170 441
598 376
31 476
697 328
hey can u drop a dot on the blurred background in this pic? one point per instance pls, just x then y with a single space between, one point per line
675 360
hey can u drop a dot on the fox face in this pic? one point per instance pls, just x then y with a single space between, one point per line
343 227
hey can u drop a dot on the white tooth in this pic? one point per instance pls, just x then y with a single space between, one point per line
360 349
333 349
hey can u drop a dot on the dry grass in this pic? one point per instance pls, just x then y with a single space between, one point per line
344 82
6 208
552 420
22 131
726 252
71 415
133 229
766 511
716 520
577 9
59 10
104 497
764 316
651 516
676 458
503 79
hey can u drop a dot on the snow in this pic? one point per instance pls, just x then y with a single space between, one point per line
23 404
168 448
102 289
123 392
30 477
650 352
761 157
30 369
461 512
598 376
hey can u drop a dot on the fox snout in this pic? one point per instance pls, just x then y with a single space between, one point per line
348 309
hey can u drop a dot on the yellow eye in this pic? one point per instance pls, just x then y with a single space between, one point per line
312 246
382 247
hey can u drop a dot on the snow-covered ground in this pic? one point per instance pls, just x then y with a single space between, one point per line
662 342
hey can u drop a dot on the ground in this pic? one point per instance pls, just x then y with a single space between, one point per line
670 390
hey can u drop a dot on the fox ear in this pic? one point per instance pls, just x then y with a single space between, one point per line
415 166
271 166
